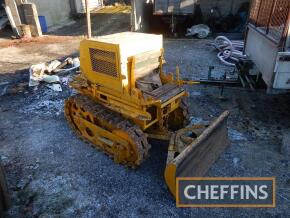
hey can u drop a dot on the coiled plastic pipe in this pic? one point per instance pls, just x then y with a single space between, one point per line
230 52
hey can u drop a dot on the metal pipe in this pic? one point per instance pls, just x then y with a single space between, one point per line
242 81
250 83
89 33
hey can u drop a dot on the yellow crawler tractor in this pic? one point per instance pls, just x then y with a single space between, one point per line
125 97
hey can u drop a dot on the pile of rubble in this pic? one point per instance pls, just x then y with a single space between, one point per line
53 73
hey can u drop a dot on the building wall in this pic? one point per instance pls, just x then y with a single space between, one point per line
288 40
225 6
139 10
55 11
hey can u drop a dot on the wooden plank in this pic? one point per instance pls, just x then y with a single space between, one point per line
31 18
20 9
11 20
14 11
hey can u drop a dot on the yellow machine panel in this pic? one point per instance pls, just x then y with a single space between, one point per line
104 60
100 63
125 97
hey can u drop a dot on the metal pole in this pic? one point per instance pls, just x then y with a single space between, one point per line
88 18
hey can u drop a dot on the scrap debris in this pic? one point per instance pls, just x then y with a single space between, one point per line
46 72
55 87
201 31
230 52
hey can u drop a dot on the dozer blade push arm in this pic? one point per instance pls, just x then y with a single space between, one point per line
195 159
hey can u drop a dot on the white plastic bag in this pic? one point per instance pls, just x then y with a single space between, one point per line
201 31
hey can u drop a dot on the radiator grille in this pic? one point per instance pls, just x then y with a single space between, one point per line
103 62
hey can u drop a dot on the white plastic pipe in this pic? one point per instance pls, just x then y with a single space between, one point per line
230 51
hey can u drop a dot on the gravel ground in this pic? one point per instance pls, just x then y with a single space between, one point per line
52 173
193 57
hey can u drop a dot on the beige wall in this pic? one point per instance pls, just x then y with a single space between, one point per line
55 11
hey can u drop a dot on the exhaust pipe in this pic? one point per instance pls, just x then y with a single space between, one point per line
89 26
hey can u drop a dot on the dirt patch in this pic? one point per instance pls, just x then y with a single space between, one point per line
22 57
20 54
36 41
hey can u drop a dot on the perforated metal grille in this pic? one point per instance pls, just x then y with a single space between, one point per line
103 62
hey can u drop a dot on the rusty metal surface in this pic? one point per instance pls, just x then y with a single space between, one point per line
206 148
197 158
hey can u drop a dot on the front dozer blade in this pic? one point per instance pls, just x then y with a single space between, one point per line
195 159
